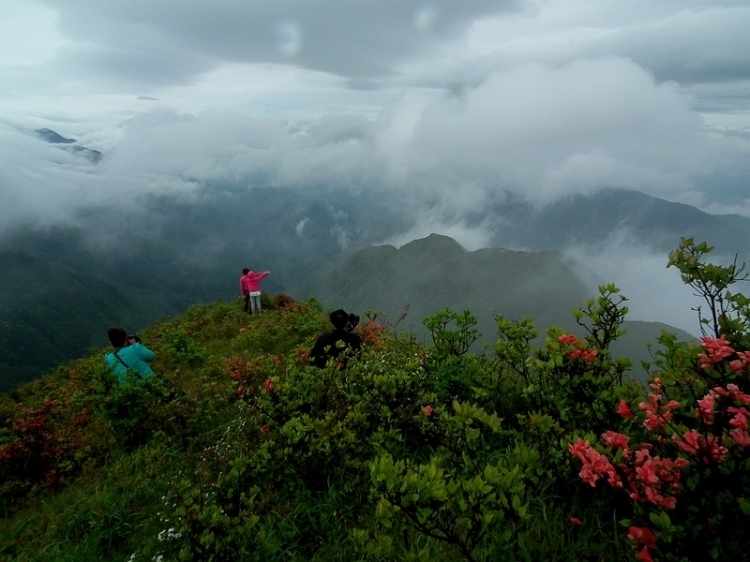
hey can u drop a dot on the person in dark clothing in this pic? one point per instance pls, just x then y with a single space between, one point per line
332 344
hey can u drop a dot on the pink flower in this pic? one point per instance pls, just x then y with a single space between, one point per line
642 536
690 442
268 385
737 365
742 361
706 408
740 437
427 410
733 392
616 440
595 465
644 555
567 338
575 521
740 417
235 376
655 419
240 390
716 452
578 448
709 448
266 428
589 355
624 410
717 349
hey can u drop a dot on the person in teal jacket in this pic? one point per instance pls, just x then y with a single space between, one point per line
128 354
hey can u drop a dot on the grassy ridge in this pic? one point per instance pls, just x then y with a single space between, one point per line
410 453
114 496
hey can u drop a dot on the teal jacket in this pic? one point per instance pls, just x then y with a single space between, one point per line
136 357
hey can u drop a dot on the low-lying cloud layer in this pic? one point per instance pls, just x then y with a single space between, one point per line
539 132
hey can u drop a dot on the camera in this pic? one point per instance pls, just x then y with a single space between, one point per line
353 321
133 338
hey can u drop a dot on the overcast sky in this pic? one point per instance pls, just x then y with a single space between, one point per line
540 98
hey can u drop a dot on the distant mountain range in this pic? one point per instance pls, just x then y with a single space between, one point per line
156 258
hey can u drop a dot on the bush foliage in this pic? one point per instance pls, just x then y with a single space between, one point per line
411 452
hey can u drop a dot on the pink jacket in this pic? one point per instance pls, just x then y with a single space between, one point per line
251 282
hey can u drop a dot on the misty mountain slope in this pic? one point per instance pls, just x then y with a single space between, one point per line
433 273
160 256
52 137
59 295
595 219
52 313
638 336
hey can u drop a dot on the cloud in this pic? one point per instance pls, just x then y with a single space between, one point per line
547 132
655 293
537 131
352 39
669 46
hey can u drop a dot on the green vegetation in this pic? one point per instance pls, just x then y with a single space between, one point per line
410 453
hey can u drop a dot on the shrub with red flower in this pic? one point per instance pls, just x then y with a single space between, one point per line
692 448
240 368
371 332
580 349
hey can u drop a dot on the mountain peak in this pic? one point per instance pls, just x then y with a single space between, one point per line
51 136
434 243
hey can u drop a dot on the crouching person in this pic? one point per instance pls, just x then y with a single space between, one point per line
129 354
142 403
340 344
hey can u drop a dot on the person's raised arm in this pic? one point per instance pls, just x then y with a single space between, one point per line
144 353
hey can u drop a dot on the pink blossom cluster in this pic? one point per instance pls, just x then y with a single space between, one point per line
595 464
717 349
580 350
723 412
658 413
708 448
644 477
587 355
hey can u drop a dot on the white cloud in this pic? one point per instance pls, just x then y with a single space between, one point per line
655 293
455 99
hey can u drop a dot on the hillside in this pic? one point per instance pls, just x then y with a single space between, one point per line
410 451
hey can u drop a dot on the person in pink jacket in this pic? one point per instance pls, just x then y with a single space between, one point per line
250 288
